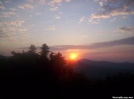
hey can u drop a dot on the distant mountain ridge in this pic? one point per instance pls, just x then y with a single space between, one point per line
99 69
107 63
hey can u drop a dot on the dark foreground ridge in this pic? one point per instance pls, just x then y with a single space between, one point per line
47 75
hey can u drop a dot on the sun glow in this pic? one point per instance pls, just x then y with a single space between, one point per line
73 56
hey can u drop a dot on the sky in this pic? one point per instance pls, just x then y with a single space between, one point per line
94 29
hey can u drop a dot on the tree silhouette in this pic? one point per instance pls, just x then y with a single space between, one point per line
44 52
32 49
57 63
51 55
57 59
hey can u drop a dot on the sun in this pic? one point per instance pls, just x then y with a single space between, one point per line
73 56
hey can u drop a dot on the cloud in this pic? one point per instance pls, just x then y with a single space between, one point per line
52 2
23 36
57 17
7 1
113 20
29 6
29 0
3 33
126 29
50 28
60 12
108 9
7 14
58 1
21 7
12 29
124 17
93 22
1 5
38 13
12 23
42 1
26 6
13 9
7 35
22 42
22 30
124 41
98 15
81 20
16 23
101 3
53 9
67 0
95 0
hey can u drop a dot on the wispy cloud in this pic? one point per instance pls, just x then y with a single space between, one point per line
81 20
57 17
21 7
7 1
7 30
126 29
52 2
13 9
29 6
22 29
30 0
12 29
4 34
93 22
107 9
54 8
7 14
42 1
38 13
21 42
60 12
12 23
67 0
50 28
95 0
16 23
58 1
1 5
101 3
26 6
113 20
24 35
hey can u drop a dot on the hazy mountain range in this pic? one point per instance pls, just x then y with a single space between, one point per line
99 69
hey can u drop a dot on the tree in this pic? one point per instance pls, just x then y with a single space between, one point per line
51 55
57 59
57 64
44 51
32 49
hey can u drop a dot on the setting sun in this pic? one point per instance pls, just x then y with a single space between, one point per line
73 56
